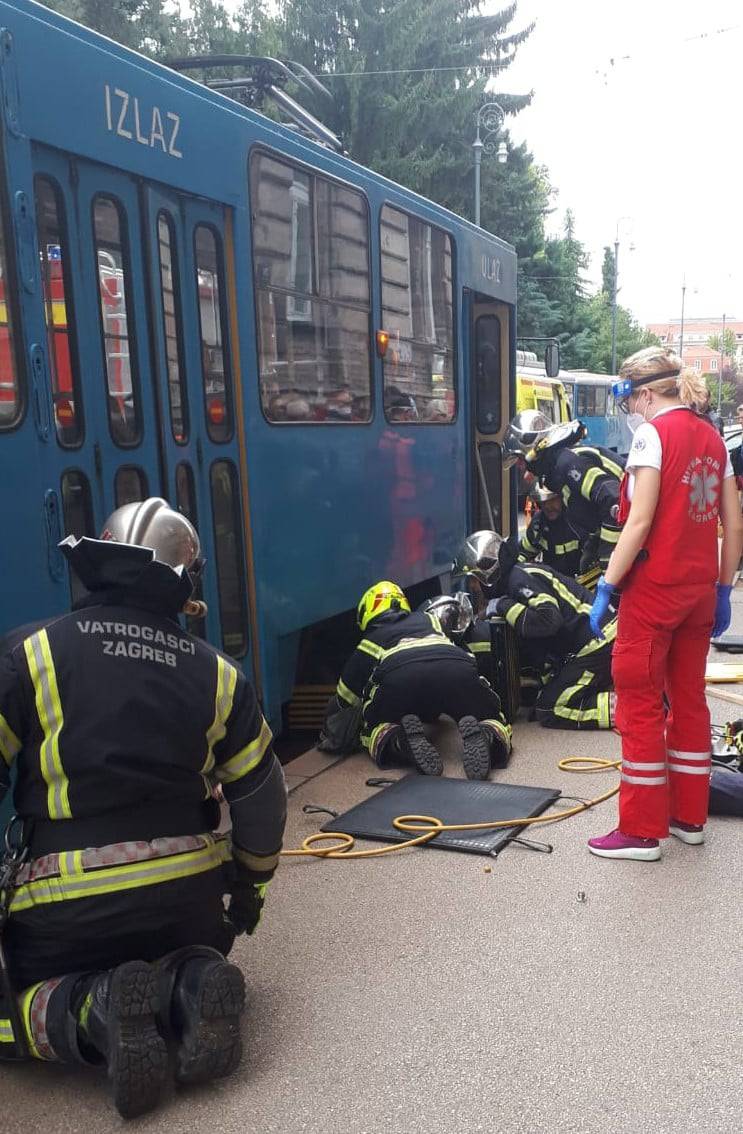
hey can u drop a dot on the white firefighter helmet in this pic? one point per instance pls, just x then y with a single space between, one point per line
478 556
154 524
525 430
454 612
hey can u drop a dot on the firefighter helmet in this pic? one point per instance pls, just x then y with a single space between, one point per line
454 612
541 493
525 430
154 524
479 556
561 436
378 600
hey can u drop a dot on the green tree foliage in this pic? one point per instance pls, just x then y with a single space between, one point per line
408 77
726 342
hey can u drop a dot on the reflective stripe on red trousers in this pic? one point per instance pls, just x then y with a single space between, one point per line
662 644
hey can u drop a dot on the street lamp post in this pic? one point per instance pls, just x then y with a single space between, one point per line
489 119
722 366
614 298
681 335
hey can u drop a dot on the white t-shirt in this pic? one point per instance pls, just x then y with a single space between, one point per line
646 451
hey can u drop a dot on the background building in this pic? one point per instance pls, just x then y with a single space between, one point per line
696 353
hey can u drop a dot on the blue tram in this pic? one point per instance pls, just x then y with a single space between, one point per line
313 363
590 399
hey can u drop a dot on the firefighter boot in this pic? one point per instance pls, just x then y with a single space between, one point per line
475 748
202 998
417 748
117 1020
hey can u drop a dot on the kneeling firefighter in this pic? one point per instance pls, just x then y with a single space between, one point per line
549 613
112 922
587 477
405 671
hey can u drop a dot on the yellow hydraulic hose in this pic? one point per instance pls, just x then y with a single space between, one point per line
343 844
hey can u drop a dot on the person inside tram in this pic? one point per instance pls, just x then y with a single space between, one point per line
550 614
549 536
587 476
406 672
399 407
117 720
436 411
339 405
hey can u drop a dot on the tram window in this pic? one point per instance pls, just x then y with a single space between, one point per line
418 315
601 401
114 277
570 394
10 390
488 370
228 547
60 324
213 329
130 485
185 496
586 402
172 328
77 515
313 308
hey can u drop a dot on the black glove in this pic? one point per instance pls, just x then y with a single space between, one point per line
536 527
246 907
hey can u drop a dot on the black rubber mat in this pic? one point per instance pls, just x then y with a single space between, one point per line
451 801
730 643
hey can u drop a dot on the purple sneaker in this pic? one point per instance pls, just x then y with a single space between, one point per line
687 832
617 845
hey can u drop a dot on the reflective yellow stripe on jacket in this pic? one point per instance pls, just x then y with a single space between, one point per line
10 745
247 758
6 1031
223 699
346 694
563 592
114 879
49 708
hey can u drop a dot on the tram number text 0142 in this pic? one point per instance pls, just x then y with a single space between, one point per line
123 117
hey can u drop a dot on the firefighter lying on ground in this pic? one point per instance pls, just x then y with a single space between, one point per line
118 722
549 535
549 613
587 477
404 672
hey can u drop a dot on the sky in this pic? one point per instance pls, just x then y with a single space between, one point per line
652 138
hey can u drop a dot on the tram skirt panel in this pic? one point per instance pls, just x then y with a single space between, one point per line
451 801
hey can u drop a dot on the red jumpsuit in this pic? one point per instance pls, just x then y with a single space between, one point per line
666 615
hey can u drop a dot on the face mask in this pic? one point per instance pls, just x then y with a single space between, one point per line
634 421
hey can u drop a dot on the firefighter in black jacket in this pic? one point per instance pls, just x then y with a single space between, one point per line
549 535
119 723
549 612
403 672
587 476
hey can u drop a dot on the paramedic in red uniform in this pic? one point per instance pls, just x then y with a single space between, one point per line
674 590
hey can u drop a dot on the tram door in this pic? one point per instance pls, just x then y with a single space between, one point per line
490 384
139 383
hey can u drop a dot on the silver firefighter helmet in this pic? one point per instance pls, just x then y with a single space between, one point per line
563 435
154 524
541 493
454 612
478 556
525 430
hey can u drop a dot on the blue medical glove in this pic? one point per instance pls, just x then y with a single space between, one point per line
723 613
604 595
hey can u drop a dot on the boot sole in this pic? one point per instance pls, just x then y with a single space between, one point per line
475 749
138 1060
638 854
691 838
426 758
211 1044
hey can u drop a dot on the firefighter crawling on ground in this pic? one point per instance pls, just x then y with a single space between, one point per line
117 932
405 671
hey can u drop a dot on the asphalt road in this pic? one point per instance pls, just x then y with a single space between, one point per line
436 991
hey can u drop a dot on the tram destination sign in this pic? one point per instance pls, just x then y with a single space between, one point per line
147 125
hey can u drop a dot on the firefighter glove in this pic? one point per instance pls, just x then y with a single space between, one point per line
246 907
601 603
497 607
723 613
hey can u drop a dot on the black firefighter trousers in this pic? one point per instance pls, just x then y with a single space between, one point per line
428 688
